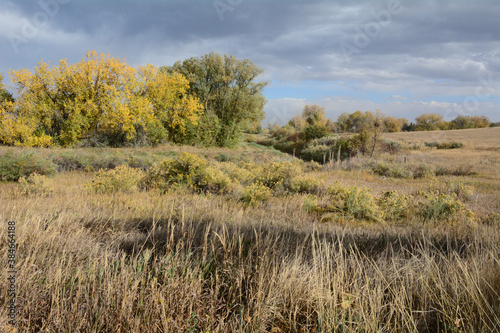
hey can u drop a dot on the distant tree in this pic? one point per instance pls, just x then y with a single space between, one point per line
429 122
343 122
408 127
5 95
462 122
314 115
393 124
480 121
298 122
227 88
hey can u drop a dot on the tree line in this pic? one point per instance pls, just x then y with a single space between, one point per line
310 135
102 101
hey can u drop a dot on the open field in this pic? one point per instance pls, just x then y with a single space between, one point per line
320 254
479 139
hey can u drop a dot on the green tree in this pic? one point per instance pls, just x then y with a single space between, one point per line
228 90
5 95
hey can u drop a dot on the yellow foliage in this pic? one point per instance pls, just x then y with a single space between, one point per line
100 95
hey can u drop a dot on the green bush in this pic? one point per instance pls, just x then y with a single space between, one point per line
120 179
442 207
16 165
256 194
393 170
310 204
353 202
444 145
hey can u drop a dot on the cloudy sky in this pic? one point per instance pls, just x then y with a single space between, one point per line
404 57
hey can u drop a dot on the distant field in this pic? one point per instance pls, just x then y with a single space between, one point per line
482 138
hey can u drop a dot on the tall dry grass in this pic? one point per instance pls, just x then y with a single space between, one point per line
183 262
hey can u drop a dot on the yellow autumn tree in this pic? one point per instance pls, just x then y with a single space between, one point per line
101 99
173 109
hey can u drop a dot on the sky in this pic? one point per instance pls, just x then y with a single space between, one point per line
402 57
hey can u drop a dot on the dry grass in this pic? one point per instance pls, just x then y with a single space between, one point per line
479 138
186 262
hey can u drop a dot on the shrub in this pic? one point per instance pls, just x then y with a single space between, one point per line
461 190
16 165
213 180
422 171
444 145
461 170
278 174
188 169
305 184
445 207
393 170
390 146
256 194
354 202
310 204
35 184
393 205
242 175
120 179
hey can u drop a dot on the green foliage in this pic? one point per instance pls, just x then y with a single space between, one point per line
35 185
310 204
442 207
465 122
354 202
120 179
255 194
188 170
22 164
393 170
444 145
227 89
394 206
398 170
5 95
305 184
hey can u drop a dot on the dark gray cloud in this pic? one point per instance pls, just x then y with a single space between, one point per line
426 51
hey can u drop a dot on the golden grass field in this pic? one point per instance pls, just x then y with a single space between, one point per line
181 261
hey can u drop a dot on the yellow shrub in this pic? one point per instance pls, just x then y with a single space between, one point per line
255 194
242 175
120 179
279 174
35 184
393 205
214 181
443 207
305 184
